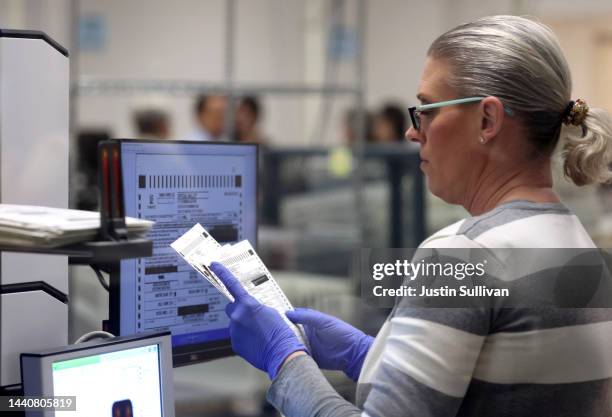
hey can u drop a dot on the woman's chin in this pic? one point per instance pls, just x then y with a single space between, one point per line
439 191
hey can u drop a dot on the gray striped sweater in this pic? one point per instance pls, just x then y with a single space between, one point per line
476 362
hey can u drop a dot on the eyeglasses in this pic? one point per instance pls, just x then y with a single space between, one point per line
415 112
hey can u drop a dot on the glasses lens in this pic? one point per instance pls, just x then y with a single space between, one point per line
417 120
414 118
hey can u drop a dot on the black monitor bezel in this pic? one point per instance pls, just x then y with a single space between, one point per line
189 354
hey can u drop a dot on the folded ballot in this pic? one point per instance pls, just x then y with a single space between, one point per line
200 249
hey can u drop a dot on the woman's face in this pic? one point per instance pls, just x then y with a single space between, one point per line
451 155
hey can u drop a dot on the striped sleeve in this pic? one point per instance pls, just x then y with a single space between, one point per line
429 356
428 362
426 369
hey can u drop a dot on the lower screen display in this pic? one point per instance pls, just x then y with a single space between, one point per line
118 379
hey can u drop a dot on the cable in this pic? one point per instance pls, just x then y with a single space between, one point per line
100 277
97 334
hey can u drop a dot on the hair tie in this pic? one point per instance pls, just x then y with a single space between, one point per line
575 112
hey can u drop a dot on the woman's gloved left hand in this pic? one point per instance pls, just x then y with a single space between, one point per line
258 332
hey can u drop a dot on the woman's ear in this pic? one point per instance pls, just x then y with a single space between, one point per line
492 118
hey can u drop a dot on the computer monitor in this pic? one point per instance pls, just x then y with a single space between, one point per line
103 375
178 184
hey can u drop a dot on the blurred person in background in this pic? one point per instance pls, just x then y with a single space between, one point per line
389 124
246 130
495 102
248 115
350 126
152 124
210 118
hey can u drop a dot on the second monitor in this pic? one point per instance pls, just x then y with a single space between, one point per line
178 184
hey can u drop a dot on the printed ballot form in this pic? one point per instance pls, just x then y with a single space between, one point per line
200 249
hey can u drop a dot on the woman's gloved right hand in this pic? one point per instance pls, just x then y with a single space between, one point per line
334 344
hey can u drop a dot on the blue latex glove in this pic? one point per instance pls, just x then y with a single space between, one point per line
333 343
258 332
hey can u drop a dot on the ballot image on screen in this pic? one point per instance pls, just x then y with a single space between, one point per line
99 381
178 184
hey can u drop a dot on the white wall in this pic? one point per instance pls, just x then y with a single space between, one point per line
50 16
584 43
184 40
276 41
399 33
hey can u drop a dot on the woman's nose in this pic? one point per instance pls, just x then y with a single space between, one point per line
413 135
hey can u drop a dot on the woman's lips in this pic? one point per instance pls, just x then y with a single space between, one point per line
424 163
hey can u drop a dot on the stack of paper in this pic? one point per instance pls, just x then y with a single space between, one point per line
200 249
36 226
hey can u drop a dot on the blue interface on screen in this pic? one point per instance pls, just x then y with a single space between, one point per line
98 381
179 184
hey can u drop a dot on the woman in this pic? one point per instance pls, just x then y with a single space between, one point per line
496 100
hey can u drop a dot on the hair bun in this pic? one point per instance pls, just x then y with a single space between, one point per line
576 112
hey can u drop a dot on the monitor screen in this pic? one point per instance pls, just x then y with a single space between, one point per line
99 381
105 377
178 184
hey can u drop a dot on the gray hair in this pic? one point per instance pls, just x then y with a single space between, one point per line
520 61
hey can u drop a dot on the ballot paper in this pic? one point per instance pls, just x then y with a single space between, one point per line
194 246
200 249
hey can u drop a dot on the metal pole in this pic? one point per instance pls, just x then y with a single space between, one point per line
98 86
361 125
230 20
75 9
